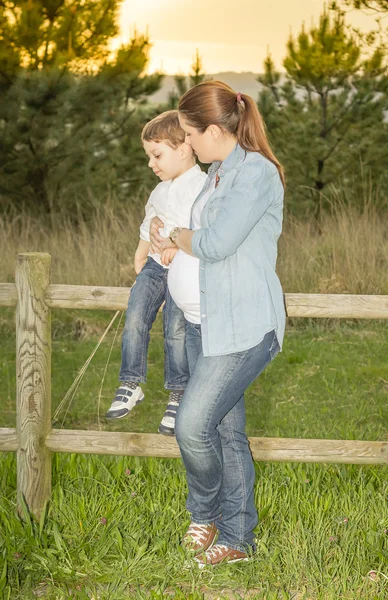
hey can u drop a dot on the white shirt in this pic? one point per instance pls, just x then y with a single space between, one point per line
183 276
171 201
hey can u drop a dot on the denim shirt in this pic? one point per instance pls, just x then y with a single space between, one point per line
241 298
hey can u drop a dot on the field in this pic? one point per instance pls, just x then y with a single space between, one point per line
112 529
113 526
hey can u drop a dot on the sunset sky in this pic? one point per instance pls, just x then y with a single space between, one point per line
231 35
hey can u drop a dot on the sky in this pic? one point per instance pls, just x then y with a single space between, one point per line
231 35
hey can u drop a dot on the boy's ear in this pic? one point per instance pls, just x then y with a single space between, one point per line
185 150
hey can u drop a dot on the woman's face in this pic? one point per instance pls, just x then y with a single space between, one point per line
203 144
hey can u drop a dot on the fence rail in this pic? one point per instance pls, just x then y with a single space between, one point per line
149 444
34 440
338 306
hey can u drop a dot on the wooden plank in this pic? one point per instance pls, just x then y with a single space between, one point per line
8 294
319 451
338 306
33 381
8 440
85 296
298 305
263 449
109 442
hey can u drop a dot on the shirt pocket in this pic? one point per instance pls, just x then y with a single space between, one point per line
213 208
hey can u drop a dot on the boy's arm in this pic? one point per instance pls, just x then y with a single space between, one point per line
141 254
150 212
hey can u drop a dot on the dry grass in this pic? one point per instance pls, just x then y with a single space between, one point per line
97 251
347 254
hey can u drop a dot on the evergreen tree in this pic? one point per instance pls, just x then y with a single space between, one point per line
67 106
56 33
197 75
326 117
373 5
184 83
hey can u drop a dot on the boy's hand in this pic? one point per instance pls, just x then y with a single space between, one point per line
155 238
167 255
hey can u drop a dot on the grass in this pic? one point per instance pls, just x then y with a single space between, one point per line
331 380
113 526
348 254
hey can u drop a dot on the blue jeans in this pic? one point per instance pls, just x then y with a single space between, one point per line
210 431
147 296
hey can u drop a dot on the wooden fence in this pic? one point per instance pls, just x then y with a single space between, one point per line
34 439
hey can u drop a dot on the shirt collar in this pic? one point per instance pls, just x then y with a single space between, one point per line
237 155
186 175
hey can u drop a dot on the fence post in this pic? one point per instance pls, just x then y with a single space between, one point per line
33 381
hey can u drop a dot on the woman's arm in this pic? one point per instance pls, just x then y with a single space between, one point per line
241 209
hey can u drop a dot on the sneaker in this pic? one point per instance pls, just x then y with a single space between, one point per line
199 538
167 425
128 394
220 554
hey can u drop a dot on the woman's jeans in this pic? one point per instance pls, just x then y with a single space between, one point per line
147 295
210 431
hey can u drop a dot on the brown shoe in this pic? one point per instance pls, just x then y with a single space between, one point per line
199 538
220 554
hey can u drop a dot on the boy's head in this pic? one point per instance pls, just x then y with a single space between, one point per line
164 143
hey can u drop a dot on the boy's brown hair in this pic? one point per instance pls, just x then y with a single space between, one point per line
164 128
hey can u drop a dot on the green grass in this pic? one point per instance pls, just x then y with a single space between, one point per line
331 380
113 534
110 533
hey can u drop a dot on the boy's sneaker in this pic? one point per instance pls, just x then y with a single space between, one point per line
220 554
167 425
199 538
128 394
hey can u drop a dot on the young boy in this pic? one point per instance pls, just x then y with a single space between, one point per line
173 161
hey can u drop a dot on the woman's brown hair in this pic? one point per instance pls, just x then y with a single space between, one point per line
215 103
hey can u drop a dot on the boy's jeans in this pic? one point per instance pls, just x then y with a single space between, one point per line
147 296
210 431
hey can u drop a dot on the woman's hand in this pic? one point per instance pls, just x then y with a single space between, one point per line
167 255
155 238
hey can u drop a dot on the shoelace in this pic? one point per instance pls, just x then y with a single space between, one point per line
217 550
128 384
175 397
198 532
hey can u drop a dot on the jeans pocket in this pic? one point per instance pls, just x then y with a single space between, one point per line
275 347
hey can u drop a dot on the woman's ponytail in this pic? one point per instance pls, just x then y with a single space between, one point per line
251 133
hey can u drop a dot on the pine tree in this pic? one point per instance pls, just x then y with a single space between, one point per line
68 106
373 5
197 75
184 83
326 120
56 33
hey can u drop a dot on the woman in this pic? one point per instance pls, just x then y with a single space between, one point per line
224 280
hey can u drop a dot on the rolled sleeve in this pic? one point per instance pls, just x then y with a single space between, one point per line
254 190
